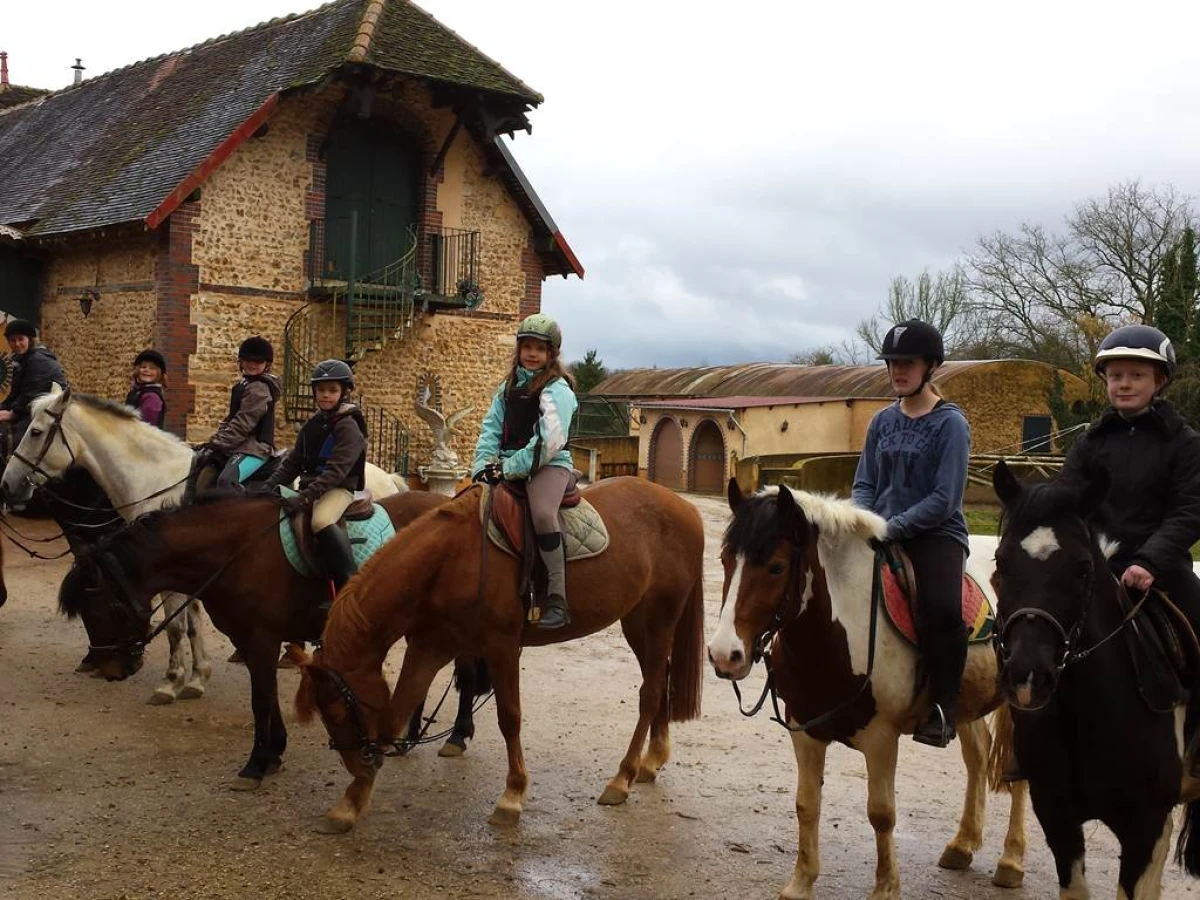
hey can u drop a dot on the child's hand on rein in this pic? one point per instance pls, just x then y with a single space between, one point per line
1138 578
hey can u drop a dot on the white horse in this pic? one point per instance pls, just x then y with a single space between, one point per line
141 468
798 585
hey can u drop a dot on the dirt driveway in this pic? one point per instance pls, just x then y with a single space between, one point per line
104 797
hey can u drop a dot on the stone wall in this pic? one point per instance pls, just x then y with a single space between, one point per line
97 351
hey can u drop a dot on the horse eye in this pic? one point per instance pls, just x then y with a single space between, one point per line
36 432
776 568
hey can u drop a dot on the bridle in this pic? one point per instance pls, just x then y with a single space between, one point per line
35 467
778 621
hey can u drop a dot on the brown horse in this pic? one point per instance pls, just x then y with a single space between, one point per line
226 551
446 590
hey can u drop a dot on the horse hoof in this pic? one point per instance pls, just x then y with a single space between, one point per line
647 776
1008 876
85 666
162 697
953 858
503 815
450 748
191 692
613 796
242 784
329 825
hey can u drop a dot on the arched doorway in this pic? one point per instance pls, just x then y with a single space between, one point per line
708 458
666 454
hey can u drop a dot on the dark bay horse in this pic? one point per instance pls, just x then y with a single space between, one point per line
1089 739
798 590
447 591
227 550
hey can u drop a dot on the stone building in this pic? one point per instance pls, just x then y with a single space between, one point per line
694 426
336 181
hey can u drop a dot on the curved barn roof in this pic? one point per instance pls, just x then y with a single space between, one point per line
775 380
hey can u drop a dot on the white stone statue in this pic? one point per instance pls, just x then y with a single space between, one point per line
442 427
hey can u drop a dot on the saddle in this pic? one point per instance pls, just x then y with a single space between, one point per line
1163 649
510 511
361 509
902 599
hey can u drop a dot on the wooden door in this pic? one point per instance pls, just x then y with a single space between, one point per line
666 455
708 458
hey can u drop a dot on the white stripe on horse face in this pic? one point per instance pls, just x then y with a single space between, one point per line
1041 543
726 641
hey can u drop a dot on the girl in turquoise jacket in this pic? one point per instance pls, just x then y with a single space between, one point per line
524 438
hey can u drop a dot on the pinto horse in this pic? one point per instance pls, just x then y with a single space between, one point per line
1092 741
444 588
140 469
798 588
227 552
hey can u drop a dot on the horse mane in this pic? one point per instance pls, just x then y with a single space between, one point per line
755 530
107 407
1037 504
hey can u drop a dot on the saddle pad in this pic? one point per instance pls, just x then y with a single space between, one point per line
584 532
366 536
977 612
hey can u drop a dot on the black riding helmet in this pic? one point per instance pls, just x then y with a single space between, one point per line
913 339
333 370
256 349
20 327
151 356
1138 342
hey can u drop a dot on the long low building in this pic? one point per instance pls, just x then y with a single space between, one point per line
695 425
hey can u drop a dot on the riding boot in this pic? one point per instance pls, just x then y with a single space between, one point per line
334 546
945 661
554 613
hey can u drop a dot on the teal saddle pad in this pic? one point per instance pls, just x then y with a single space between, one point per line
366 536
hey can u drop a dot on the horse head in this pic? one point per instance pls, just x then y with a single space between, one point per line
1048 566
355 711
44 452
768 554
116 634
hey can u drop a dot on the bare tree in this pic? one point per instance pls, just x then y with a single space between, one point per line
847 353
942 300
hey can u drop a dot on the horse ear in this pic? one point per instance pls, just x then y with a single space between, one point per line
55 389
795 522
1094 491
1004 483
735 495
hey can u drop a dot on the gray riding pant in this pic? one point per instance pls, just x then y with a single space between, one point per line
545 491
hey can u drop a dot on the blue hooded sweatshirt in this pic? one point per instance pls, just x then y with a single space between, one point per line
913 472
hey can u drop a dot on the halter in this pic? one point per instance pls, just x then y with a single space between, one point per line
758 650
1068 638
35 467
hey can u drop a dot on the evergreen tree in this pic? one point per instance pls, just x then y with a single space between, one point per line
588 373
1189 281
1171 313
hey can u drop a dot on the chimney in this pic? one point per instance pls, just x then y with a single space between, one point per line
78 67
3 67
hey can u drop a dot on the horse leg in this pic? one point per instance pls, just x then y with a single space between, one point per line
262 654
201 667
810 777
414 724
176 631
416 674
464 721
975 742
506 680
1141 872
880 746
652 655
1010 871
659 751
1064 836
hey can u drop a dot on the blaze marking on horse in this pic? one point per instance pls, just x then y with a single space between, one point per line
1041 543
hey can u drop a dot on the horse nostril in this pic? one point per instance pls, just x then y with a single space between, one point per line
736 657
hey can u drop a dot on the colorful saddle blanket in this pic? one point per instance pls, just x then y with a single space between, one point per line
977 613
366 536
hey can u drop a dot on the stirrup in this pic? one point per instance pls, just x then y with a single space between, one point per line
926 733
553 615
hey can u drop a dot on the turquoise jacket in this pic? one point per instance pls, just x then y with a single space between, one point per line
558 405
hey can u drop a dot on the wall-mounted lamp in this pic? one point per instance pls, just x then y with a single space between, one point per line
683 423
86 299
784 426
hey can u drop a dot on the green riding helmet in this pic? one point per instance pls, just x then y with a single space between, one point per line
333 370
542 327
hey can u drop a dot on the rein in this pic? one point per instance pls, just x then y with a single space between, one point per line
761 650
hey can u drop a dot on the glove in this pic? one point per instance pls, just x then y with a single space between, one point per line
294 504
490 474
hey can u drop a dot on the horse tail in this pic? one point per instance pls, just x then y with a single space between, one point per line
1187 848
1001 756
305 705
473 674
687 657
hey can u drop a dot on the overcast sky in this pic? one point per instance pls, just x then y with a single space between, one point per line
742 184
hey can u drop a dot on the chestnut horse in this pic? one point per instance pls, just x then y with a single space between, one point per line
227 552
443 587
798 588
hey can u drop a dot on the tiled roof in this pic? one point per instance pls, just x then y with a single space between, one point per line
113 148
15 95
